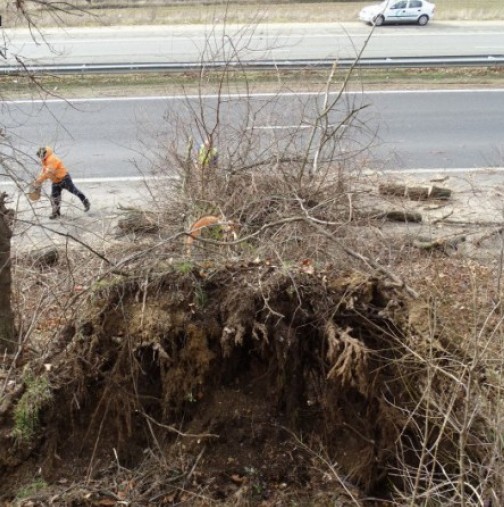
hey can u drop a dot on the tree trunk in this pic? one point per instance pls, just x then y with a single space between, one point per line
7 328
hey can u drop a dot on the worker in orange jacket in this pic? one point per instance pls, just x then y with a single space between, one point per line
54 170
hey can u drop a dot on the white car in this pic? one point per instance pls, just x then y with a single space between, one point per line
398 11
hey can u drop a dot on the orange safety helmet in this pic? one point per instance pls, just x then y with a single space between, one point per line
41 153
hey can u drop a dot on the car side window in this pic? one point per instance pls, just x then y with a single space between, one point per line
415 4
399 5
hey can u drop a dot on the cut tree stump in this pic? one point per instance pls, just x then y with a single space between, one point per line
138 221
415 193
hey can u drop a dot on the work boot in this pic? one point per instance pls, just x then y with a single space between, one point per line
55 207
87 205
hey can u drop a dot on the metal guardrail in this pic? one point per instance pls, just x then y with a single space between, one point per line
266 65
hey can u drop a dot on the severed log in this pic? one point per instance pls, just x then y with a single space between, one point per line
395 216
401 216
138 221
442 244
415 193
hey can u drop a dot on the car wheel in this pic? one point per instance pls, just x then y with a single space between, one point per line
379 20
423 20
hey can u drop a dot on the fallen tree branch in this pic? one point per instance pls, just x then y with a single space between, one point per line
356 255
77 240
398 282
443 218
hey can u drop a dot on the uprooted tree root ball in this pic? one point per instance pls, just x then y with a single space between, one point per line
234 384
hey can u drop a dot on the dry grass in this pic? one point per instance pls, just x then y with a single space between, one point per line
240 12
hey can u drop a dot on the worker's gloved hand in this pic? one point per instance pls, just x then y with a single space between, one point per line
35 191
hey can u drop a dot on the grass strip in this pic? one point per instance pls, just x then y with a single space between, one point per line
106 85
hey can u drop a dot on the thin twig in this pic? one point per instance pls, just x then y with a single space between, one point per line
172 429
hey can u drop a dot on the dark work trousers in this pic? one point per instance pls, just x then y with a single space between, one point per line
65 184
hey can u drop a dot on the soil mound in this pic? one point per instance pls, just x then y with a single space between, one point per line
245 382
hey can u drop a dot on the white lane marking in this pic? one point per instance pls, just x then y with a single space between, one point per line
252 96
287 127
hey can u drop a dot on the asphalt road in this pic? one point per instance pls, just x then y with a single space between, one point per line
121 138
266 41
